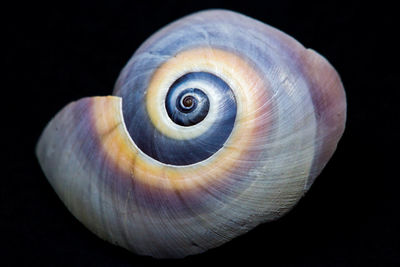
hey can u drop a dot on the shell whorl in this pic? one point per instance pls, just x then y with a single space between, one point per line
218 123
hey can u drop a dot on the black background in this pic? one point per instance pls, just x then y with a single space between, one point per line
62 51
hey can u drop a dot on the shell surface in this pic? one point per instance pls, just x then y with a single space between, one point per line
216 124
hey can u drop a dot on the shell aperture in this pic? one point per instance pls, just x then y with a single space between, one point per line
217 123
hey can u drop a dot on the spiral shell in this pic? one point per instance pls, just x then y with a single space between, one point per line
217 123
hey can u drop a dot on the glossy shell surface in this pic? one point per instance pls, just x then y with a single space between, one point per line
216 124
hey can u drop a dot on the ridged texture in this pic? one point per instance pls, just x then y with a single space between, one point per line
135 176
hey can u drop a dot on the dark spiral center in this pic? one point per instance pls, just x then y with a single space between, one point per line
187 102
187 106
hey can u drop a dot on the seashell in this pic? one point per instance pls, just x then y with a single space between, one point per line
216 124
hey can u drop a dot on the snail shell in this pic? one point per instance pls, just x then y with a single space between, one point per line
217 123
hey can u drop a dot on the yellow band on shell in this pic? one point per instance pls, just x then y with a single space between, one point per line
232 69
250 93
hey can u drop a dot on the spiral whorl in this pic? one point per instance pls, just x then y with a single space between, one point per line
218 123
